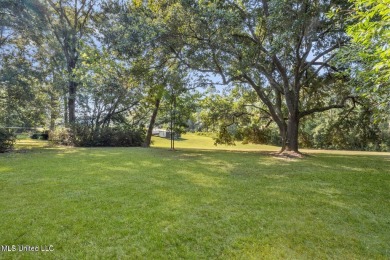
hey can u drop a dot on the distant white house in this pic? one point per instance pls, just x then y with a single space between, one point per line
156 131
164 133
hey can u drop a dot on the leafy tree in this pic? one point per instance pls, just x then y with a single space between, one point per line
154 83
282 49
39 74
352 129
68 21
237 115
167 96
21 97
131 29
107 93
21 18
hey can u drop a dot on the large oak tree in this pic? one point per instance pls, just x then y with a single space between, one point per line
282 49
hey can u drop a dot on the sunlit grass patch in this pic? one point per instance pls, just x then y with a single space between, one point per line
27 143
191 140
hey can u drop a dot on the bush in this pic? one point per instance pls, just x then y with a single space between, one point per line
115 137
61 136
44 135
7 140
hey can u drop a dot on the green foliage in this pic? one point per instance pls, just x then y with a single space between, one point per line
30 65
266 135
370 29
118 59
7 140
352 130
61 136
224 136
21 18
237 115
85 136
108 95
281 49
22 100
110 136
178 106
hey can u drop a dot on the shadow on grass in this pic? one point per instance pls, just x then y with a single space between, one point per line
181 139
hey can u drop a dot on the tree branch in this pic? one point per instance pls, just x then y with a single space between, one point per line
322 109
322 54
261 109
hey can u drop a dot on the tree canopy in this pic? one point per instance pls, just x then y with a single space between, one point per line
114 63
371 31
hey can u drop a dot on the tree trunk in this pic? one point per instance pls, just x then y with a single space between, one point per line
292 101
53 111
9 108
72 102
148 138
292 133
283 137
66 119
72 87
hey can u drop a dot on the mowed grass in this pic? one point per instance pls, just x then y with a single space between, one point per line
136 203
194 141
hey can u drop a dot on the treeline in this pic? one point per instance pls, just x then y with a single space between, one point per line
296 73
238 116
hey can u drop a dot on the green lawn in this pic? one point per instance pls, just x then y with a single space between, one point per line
238 203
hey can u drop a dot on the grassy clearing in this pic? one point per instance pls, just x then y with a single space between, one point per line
194 203
194 141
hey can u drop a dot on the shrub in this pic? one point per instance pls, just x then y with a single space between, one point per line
61 136
117 136
35 136
7 140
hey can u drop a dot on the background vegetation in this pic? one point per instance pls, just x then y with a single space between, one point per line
295 73
257 75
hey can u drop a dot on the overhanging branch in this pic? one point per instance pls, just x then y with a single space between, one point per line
218 69
322 109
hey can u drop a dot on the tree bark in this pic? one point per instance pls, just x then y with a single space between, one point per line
283 137
9 108
148 138
72 89
292 101
53 111
292 133
66 119
72 102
